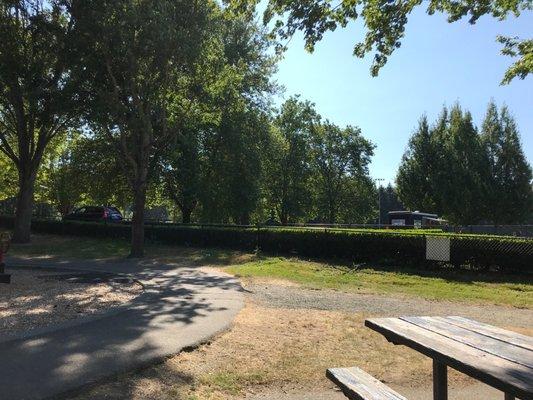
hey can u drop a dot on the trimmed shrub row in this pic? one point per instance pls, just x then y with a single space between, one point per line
506 254
473 252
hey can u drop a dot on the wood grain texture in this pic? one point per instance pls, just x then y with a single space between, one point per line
515 338
356 384
511 377
473 339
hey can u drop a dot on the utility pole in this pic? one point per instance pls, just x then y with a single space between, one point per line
379 199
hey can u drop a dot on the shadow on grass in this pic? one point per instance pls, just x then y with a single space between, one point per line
54 247
452 274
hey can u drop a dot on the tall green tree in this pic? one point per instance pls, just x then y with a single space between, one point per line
467 177
84 171
221 156
339 156
358 201
36 91
460 169
289 169
509 195
181 173
415 178
385 23
389 201
137 58
232 180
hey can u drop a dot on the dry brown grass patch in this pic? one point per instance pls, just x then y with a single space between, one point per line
270 348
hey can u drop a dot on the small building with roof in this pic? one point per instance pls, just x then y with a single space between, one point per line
415 219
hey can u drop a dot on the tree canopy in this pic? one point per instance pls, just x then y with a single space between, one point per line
37 95
385 23
170 105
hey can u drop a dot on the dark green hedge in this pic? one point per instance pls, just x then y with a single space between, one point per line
493 253
478 252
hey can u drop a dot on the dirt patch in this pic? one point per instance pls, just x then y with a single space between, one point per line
285 338
37 299
274 350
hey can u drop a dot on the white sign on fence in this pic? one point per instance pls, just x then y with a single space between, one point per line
437 248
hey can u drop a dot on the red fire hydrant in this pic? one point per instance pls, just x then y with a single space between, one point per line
5 240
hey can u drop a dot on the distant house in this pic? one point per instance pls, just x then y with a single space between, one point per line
413 218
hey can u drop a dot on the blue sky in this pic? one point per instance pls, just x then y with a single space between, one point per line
439 63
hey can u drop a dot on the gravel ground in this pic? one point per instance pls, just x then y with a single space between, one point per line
37 299
287 296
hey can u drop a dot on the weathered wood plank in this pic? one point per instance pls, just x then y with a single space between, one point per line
507 376
487 344
356 384
515 338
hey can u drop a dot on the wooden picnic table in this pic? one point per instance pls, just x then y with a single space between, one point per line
495 356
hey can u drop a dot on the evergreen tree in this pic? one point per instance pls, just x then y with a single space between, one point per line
509 194
414 179
389 201
459 184
445 169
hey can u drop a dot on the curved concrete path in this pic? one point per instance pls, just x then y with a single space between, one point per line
181 307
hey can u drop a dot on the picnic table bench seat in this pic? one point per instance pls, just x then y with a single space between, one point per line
356 384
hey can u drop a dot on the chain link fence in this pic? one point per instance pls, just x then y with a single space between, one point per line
486 253
411 248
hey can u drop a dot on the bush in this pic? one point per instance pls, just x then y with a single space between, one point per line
398 248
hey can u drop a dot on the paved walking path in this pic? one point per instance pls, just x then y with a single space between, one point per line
181 307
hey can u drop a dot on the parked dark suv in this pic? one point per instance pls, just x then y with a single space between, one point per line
95 213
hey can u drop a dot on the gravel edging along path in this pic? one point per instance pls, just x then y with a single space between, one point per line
295 297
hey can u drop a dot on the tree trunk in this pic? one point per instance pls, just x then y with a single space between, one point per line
137 223
186 215
331 214
244 219
23 213
283 216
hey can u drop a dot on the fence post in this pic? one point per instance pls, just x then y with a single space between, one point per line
258 237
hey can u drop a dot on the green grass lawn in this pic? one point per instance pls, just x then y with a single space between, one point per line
86 248
71 247
439 285
514 290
